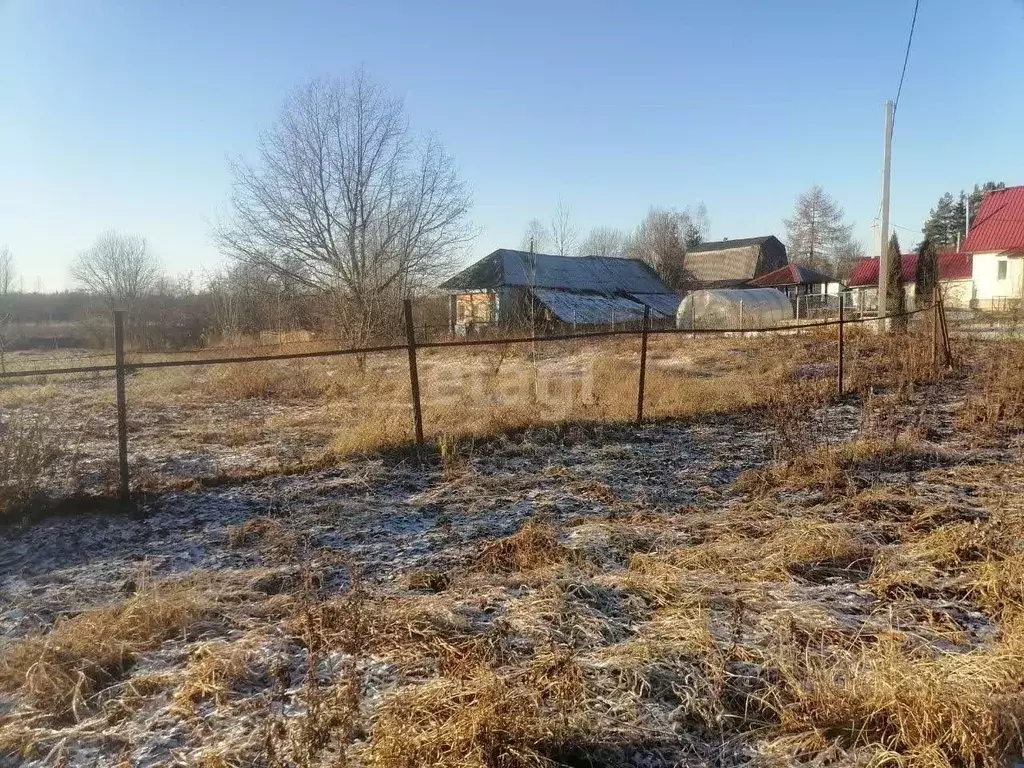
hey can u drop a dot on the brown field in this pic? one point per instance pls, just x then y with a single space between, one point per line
206 424
764 575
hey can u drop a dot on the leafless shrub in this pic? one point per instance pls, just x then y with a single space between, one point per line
29 449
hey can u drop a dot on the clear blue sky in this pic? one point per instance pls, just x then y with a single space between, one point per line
123 114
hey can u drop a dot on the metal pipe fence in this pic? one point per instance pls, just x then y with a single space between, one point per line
667 349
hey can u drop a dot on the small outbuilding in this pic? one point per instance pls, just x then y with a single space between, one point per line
809 290
516 288
733 263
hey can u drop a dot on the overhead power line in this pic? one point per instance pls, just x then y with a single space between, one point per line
906 58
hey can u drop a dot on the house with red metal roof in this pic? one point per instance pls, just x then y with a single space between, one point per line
996 242
955 280
808 289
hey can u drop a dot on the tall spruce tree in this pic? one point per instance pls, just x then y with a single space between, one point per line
949 216
941 226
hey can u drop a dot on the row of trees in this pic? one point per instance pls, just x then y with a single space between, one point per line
818 236
946 225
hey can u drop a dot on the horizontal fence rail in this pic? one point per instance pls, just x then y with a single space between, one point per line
340 352
643 330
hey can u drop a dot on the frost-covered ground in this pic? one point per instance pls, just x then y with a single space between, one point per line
233 686
387 516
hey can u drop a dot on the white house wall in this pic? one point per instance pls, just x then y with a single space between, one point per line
989 290
956 294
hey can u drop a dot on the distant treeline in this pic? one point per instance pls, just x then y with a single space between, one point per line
184 319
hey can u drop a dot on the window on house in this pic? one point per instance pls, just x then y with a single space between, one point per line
1001 270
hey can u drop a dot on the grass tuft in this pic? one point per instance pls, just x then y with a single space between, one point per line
60 672
533 546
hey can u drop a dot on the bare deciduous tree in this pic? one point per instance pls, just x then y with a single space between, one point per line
563 231
118 267
6 271
818 235
662 238
536 237
605 241
345 200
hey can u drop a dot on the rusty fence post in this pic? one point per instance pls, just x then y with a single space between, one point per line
643 366
414 380
842 344
122 407
944 329
935 326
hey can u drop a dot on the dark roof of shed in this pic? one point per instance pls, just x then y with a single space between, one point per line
791 274
724 245
711 284
725 259
597 274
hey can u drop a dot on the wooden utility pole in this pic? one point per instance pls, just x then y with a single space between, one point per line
883 253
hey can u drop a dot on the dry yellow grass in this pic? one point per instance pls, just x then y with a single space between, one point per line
996 399
60 672
864 625
833 468
266 532
921 707
535 545
212 669
484 720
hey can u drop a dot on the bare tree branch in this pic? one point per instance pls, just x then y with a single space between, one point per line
119 268
563 231
7 273
605 241
344 199
536 237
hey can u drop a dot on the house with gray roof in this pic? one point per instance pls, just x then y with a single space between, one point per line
510 288
732 263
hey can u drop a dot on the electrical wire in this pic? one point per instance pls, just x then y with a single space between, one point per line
906 58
